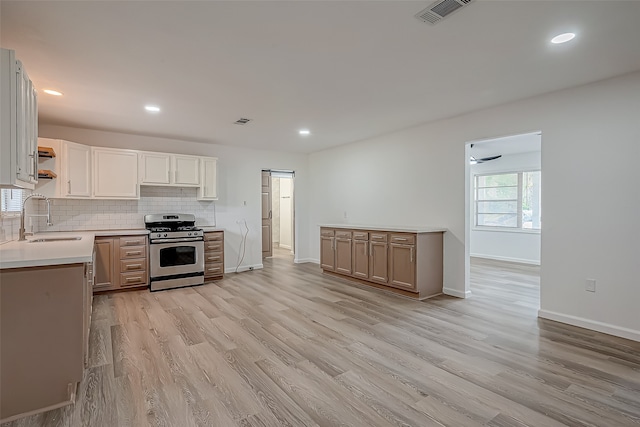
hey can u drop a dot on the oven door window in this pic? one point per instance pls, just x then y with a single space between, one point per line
178 255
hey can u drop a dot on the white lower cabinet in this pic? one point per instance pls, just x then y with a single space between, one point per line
115 173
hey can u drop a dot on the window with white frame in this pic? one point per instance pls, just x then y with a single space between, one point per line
508 200
11 201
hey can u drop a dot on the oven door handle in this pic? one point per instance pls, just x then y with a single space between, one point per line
184 239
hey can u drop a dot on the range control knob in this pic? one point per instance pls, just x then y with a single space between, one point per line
165 234
189 234
159 234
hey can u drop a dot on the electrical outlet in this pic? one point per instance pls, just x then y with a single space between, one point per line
590 286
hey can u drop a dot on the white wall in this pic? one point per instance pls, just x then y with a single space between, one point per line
507 245
239 178
590 151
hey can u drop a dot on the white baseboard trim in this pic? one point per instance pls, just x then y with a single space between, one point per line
285 246
456 293
508 259
593 325
244 268
305 260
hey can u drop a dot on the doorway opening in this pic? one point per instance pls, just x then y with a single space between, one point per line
278 214
504 218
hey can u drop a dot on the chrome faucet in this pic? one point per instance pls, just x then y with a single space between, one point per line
22 214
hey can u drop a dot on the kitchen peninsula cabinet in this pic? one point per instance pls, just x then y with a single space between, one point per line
404 261
44 319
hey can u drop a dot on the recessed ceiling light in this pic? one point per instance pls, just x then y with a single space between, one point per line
563 38
304 132
152 108
52 92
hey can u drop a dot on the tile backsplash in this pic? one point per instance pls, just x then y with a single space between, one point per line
78 214
9 228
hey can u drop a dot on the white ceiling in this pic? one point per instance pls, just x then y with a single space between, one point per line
347 70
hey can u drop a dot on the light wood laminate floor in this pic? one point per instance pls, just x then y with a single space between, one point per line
289 346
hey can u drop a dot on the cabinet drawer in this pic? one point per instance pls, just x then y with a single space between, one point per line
212 246
134 278
214 269
133 252
133 241
138 264
405 239
378 237
327 232
213 257
360 235
213 236
341 234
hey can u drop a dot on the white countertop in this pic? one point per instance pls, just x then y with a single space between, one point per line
17 254
417 229
209 228
121 232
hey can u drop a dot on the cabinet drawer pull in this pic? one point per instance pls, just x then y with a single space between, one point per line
411 252
132 242
133 266
213 269
402 239
133 279
213 258
134 252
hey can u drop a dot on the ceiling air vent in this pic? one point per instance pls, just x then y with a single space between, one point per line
241 121
440 9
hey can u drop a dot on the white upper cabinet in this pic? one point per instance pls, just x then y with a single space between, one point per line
186 170
115 173
155 168
169 169
76 167
71 164
18 125
208 189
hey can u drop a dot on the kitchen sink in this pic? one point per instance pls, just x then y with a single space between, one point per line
54 239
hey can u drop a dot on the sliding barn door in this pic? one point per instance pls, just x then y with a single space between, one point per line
267 245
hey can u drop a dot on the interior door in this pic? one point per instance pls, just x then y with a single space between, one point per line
267 245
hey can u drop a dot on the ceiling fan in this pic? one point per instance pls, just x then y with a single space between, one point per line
473 160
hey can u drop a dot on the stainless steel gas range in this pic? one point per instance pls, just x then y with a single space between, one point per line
176 251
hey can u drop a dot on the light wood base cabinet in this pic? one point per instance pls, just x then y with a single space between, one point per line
213 255
409 263
121 262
